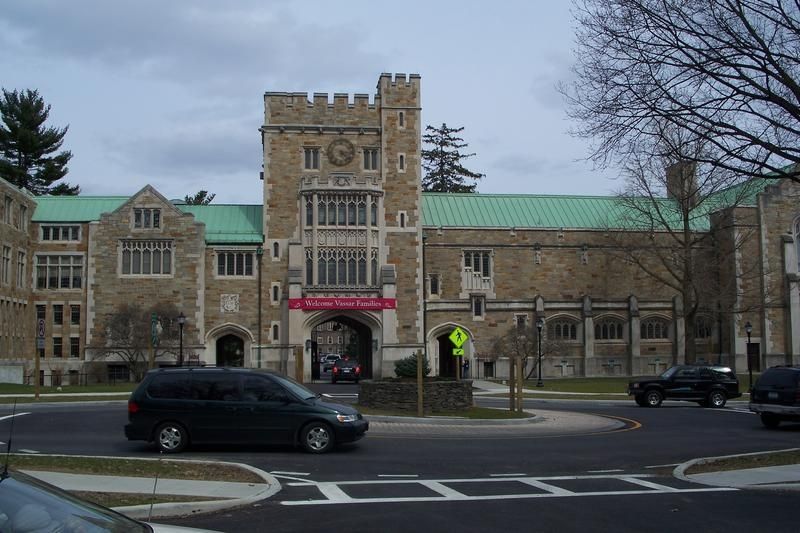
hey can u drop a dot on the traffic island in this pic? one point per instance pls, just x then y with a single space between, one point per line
400 394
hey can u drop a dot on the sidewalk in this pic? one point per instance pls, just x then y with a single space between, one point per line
214 495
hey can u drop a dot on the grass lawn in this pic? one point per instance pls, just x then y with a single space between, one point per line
109 466
14 388
748 461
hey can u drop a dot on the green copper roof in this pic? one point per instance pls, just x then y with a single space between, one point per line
225 224
519 211
75 208
240 224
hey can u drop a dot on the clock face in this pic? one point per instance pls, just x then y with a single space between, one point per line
341 152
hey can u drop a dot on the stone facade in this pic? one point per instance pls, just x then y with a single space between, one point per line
17 317
340 237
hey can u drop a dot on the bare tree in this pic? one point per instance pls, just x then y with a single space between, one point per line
727 71
127 335
522 342
666 211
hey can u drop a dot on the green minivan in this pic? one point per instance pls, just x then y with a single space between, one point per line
174 407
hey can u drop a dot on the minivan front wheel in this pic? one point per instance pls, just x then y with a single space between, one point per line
171 437
317 437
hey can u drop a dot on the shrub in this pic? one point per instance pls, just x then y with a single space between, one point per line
407 367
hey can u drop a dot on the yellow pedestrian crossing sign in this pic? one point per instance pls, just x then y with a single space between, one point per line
458 337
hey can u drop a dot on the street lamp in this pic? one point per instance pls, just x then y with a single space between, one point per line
539 326
748 328
181 322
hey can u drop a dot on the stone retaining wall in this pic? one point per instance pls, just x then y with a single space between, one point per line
402 395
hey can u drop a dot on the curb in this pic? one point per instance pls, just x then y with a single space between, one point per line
177 509
455 421
680 471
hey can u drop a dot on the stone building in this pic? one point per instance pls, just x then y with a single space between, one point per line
345 243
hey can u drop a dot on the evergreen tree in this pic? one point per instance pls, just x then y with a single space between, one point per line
27 146
199 198
442 161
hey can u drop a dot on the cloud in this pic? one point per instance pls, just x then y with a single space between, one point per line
210 45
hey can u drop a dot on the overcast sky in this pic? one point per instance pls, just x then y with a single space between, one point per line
171 92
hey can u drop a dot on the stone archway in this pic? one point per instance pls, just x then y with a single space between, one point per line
439 344
230 351
357 332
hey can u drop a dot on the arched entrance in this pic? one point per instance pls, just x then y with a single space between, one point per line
447 362
345 336
230 351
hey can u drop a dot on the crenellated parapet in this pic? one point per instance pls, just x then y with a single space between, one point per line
399 90
298 108
343 110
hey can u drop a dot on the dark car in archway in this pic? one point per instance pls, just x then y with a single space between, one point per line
346 369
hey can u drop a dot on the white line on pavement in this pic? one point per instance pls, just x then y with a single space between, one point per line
279 472
398 475
11 416
604 471
507 475
662 466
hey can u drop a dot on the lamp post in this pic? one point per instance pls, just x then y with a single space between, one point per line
748 328
181 322
539 326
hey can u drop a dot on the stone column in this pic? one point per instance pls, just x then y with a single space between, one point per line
588 337
634 337
390 351
679 342
793 298
294 335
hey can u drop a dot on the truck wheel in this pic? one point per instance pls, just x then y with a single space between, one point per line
653 398
717 399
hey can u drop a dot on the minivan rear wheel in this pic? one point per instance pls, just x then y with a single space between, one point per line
171 437
317 437
769 420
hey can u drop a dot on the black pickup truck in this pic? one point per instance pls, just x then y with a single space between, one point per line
708 385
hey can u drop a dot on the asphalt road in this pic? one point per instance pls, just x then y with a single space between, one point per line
617 481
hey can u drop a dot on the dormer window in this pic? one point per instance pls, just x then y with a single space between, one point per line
146 218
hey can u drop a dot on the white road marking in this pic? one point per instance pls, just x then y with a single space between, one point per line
648 484
399 475
604 471
25 450
279 472
547 487
507 475
332 492
662 466
11 416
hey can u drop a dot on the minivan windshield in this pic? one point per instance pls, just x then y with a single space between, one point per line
294 387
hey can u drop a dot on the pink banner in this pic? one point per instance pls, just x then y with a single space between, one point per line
355 304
